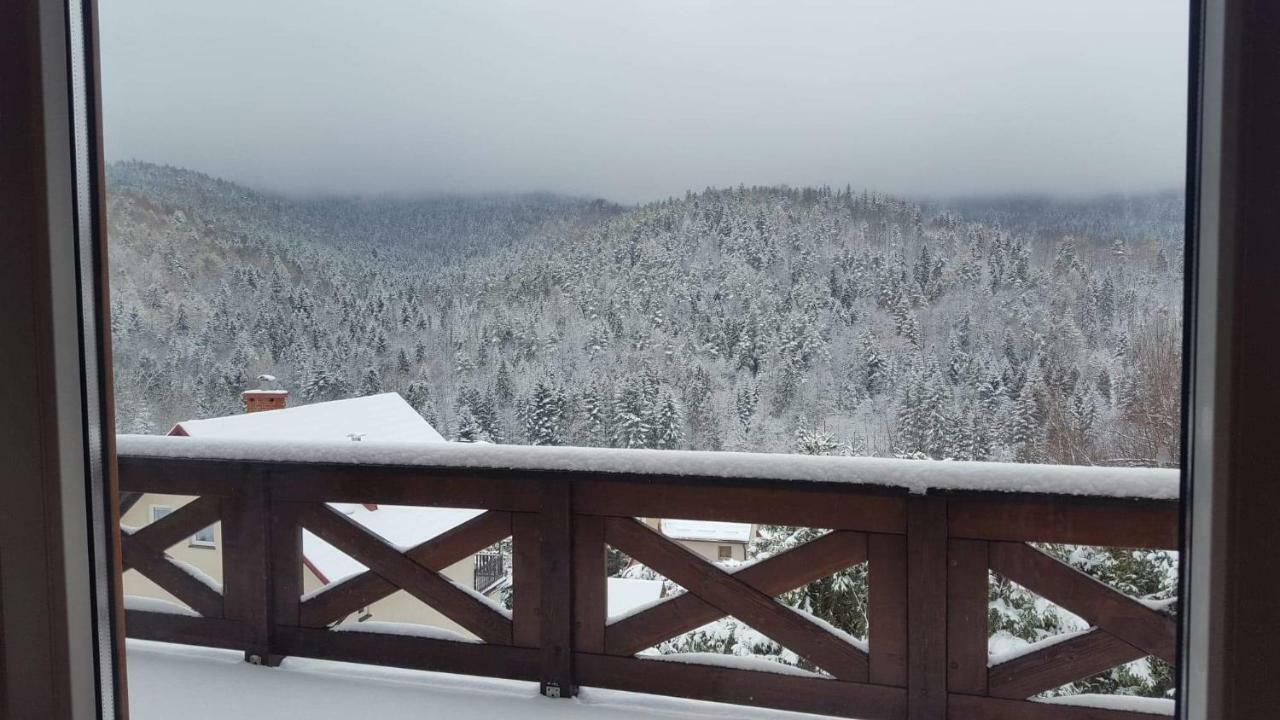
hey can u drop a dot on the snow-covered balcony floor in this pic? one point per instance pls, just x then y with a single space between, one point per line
193 683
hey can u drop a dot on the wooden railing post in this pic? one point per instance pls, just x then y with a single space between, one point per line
887 630
526 580
284 553
967 629
556 521
926 607
590 580
246 564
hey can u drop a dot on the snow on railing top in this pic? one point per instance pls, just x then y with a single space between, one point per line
917 476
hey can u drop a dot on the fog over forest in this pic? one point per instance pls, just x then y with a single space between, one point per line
640 101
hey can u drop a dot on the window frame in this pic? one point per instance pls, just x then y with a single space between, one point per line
52 146
198 542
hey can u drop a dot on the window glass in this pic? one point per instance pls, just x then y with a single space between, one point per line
906 237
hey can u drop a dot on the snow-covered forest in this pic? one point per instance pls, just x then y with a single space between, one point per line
770 319
773 319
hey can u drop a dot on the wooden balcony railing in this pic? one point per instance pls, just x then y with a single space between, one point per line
929 553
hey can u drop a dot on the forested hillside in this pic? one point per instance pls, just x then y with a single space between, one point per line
809 320
775 319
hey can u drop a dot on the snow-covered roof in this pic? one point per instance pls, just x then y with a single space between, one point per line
384 418
402 526
627 594
373 418
706 530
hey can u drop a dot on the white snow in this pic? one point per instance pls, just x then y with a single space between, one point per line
1151 706
846 637
402 526
1003 643
636 610
628 596
156 605
1166 605
916 476
737 662
176 681
1008 653
196 573
384 417
706 530
407 629
493 604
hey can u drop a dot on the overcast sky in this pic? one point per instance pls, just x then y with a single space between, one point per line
642 99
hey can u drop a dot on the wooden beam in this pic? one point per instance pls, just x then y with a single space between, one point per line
1051 667
179 524
555 526
526 580
395 485
407 651
472 613
183 629
246 569
161 570
798 566
436 554
927 608
831 507
1149 630
286 564
1065 519
743 687
180 476
887 601
967 593
590 583
735 597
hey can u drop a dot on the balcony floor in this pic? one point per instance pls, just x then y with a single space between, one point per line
191 683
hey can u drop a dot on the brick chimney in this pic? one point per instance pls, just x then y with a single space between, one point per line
266 397
259 400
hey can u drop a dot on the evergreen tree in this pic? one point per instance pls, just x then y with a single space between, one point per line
419 398
543 414
371 381
631 416
668 426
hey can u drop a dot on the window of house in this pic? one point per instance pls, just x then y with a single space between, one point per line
725 552
159 511
204 538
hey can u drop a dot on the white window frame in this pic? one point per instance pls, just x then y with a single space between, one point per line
195 541
199 542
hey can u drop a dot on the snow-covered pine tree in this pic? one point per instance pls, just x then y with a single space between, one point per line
631 416
667 424
542 414
371 381
419 397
